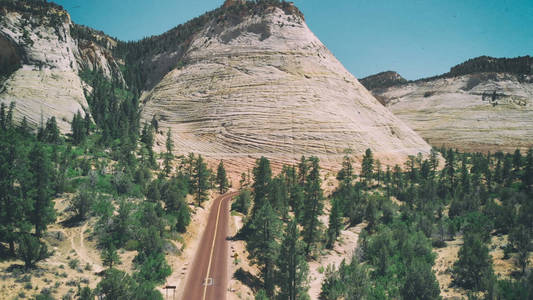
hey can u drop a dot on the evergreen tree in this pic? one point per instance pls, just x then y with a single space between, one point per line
449 168
262 177
200 180
517 163
242 204
345 175
293 269
348 282
520 238
303 169
222 180
313 206
263 244
527 178
175 203
78 129
14 207
261 295
41 189
167 162
82 202
147 138
51 132
420 282
110 257
367 166
117 285
31 250
473 269
335 223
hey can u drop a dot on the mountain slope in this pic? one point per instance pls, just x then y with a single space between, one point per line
260 83
484 104
41 57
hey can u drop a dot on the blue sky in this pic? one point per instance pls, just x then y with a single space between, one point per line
417 38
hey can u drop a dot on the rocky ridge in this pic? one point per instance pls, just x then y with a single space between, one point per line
484 104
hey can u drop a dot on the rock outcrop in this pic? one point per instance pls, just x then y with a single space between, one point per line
47 82
43 60
484 104
252 84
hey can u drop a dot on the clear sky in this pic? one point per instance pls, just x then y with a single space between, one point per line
417 38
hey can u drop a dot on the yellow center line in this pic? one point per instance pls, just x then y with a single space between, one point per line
212 249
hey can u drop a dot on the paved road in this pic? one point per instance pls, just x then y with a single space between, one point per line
207 279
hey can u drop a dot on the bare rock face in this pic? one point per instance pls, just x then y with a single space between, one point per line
47 83
265 85
44 61
473 112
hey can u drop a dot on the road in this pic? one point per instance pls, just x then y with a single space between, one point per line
208 276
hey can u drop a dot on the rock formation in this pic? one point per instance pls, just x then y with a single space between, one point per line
484 104
260 83
244 80
43 60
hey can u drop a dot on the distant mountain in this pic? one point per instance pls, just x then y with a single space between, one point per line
382 80
482 104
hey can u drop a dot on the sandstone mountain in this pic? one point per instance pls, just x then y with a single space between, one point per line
483 104
254 80
40 58
244 80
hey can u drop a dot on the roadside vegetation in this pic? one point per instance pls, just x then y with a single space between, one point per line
137 198
408 212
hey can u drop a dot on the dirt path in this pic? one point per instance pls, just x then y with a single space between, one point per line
208 276
77 243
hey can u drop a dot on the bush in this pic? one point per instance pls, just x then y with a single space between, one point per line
73 264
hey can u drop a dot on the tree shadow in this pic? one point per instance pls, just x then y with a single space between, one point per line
73 221
5 254
248 279
241 235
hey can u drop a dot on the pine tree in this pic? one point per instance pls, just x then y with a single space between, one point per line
367 166
293 269
527 177
41 189
31 250
313 206
517 163
263 244
167 162
345 175
78 129
450 168
14 207
200 180
335 223
473 269
303 169
110 256
222 180
51 132
262 177
420 282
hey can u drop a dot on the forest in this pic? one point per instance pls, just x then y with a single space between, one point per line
408 212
